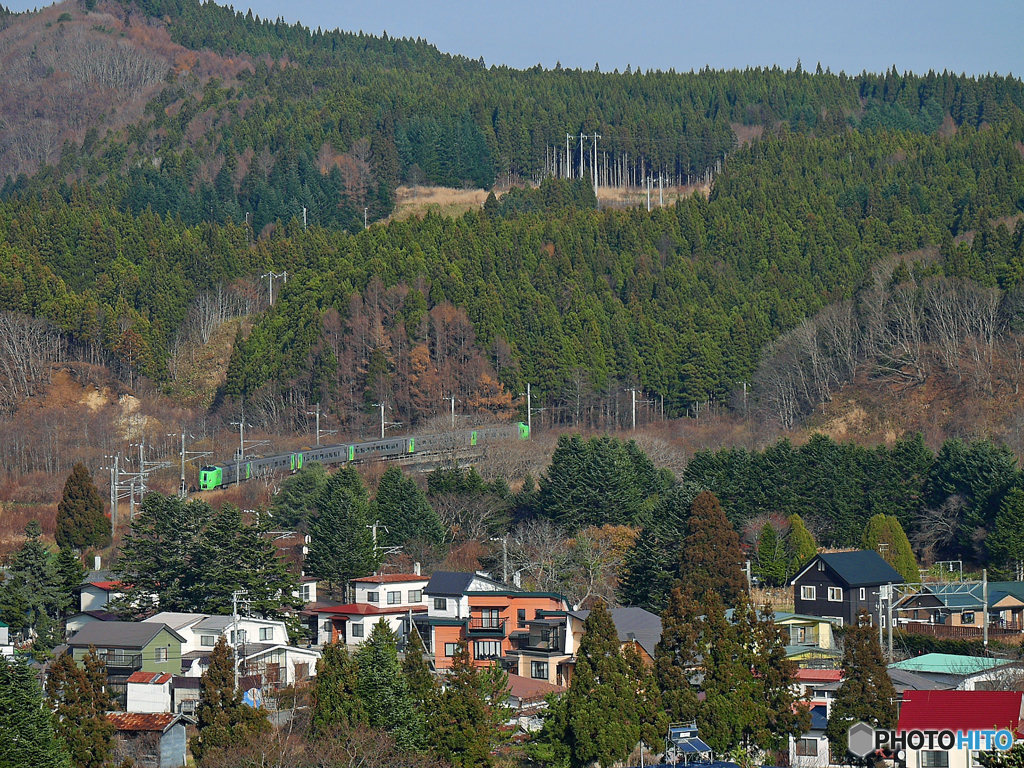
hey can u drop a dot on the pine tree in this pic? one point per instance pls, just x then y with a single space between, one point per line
336 702
341 543
710 556
293 505
652 565
402 508
464 725
886 529
71 573
597 720
27 736
866 694
1006 543
223 720
80 519
32 597
800 544
78 695
385 691
422 686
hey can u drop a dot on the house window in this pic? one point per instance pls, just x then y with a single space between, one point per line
487 649
539 670
241 636
835 594
863 593
807 748
799 635
967 617
161 655
415 595
207 641
305 593
450 648
394 598
934 758
821 565
440 604
520 617
808 593
357 630
373 597
266 633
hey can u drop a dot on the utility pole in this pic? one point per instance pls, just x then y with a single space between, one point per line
317 414
632 391
593 169
365 212
303 218
270 282
241 449
984 599
582 137
182 490
529 411
381 406
568 157
648 180
113 496
661 195
234 631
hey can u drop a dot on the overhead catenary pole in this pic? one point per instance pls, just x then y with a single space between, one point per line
568 157
582 137
182 492
984 599
593 169
529 411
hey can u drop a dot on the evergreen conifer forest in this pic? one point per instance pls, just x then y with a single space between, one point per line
203 238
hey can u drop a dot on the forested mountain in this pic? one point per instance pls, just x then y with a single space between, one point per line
137 238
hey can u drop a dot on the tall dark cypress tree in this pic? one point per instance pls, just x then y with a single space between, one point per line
598 720
711 556
677 655
866 694
80 519
403 509
341 543
385 691
78 694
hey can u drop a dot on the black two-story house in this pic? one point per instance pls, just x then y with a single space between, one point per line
839 585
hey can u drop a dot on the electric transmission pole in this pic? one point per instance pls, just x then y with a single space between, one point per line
593 170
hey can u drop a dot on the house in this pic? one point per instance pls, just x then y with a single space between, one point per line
6 649
149 692
127 647
957 711
485 613
307 589
811 750
391 598
185 694
964 673
156 740
838 585
547 649
201 631
97 590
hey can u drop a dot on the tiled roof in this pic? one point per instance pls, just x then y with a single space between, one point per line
153 678
137 721
390 578
961 711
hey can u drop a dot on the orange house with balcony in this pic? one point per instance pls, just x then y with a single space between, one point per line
492 617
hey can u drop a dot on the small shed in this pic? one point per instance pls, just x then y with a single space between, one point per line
154 740
149 692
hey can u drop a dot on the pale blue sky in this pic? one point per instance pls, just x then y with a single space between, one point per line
975 37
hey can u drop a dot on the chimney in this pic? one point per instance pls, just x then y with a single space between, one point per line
416 569
96 563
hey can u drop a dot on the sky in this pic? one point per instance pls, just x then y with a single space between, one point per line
972 36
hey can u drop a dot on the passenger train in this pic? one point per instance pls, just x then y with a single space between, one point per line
221 475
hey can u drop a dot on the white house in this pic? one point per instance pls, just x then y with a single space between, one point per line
201 631
391 598
6 649
149 692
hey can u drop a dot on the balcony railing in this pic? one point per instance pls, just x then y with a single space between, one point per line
487 625
121 661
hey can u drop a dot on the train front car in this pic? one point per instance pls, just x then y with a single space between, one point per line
210 478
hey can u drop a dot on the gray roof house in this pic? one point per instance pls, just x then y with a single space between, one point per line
838 585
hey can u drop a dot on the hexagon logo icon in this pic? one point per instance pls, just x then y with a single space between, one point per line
861 739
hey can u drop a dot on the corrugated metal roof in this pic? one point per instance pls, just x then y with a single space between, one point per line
151 678
390 578
862 569
961 710
137 721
